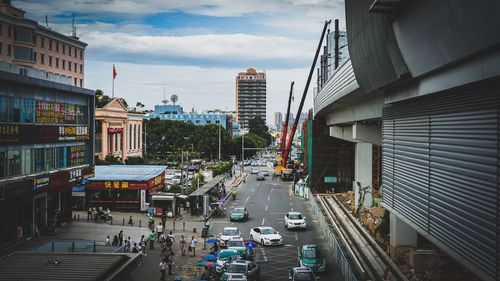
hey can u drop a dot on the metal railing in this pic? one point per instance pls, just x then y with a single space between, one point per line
76 246
337 254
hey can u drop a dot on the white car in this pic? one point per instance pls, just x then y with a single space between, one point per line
266 235
255 171
295 220
227 234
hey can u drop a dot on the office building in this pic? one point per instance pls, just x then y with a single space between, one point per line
176 113
278 120
250 96
26 43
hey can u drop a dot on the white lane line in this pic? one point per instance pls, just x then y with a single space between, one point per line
263 220
296 237
291 204
266 208
247 199
291 209
268 197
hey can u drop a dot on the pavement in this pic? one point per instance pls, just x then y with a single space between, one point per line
267 202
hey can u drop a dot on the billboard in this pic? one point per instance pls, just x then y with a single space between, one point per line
30 133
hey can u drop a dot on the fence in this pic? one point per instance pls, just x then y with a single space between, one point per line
337 254
78 246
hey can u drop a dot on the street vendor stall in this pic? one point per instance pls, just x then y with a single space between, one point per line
214 189
124 186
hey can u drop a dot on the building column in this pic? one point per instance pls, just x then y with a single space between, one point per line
401 234
362 185
104 141
124 142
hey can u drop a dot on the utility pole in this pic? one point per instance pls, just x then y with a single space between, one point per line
337 37
242 147
219 140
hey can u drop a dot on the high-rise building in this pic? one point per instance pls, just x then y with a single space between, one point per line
26 43
250 96
278 120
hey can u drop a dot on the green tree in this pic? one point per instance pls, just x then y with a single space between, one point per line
134 161
101 99
258 127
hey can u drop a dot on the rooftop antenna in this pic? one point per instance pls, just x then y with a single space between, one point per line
164 101
47 21
73 28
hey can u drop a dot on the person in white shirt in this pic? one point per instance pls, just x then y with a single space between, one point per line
159 230
194 243
163 269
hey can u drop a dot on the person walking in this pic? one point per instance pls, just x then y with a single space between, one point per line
142 243
170 263
108 241
163 269
89 214
152 237
120 238
168 244
164 218
194 243
183 245
159 229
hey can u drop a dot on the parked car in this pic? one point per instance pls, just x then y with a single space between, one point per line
248 268
266 235
260 176
265 173
311 257
227 256
239 214
228 233
255 171
237 244
295 220
234 277
301 274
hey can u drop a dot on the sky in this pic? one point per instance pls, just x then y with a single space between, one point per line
193 49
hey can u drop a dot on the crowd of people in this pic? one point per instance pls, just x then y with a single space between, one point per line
157 236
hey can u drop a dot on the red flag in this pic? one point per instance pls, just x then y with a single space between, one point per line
114 72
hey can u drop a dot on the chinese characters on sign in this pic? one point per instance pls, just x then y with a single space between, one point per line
20 134
116 184
9 134
40 182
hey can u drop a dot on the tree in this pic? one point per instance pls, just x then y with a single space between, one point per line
134 161
101 99
258 127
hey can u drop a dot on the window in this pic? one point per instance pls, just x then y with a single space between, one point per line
3 167
50 60
9 50
24 34
42 58
9 31
39 155
50 45
76 81
42 41
81 68
69 51
49 158
14 162
64 49
81 82
1 31
26 161
4 105
75 67
63 64
57 47
81 54
57 62
75 53
61 157
69 65
34 56
1 48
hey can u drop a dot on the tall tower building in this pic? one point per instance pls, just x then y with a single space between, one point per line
250 96
278 120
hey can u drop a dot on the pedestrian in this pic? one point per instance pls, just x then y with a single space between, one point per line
142 243
120 238
183 245
171 236
135 249
170 262
108 241
194 242
164 218
89 214
125 242
168 245
161 239
215 248
115 241
151 239
163 269
127 245
159 229
130 221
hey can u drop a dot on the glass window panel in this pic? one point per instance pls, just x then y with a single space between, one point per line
3 164
49 158
14 162
26 161
39 155
4 104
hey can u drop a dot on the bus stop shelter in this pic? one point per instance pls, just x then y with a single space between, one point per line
212 189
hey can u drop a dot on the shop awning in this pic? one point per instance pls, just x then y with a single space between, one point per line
183 197
163 197
208 186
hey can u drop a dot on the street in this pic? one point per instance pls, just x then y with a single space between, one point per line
267 203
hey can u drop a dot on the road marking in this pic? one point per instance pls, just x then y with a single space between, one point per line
291 209
268 197
266 208
291 204
296 236
263 220
247 199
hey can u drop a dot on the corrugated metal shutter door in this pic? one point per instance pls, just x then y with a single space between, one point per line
440 171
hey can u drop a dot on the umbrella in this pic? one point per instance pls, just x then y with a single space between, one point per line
213 240
251 244
200 263
210 264
210 258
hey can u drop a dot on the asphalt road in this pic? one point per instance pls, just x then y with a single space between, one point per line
267 202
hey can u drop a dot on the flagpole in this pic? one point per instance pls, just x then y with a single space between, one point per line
113 84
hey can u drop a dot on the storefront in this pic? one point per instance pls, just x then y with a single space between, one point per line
124 186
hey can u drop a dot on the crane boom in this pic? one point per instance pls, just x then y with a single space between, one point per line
285 126
304 94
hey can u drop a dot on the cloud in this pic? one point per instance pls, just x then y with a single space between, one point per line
198 87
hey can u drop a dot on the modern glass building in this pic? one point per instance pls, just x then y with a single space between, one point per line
46 149
250 96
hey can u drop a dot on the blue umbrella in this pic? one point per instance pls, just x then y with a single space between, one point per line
251 244
200 263
213 240
210 258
